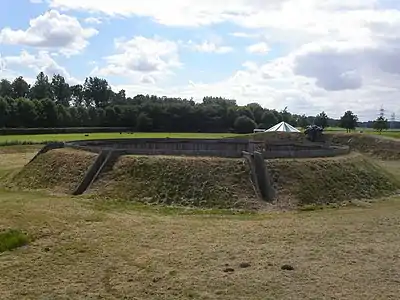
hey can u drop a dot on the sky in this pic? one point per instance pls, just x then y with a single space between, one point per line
307 55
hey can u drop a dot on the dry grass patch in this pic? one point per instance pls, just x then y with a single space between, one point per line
81 253
13 158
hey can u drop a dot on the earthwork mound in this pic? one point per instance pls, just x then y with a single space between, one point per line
377 146
209 182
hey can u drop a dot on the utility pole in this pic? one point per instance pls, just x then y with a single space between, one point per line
382 112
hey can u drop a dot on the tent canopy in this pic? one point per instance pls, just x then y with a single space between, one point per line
283 127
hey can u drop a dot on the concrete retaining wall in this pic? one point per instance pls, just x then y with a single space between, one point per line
263 177
208 147
190 147
92 172
260 176
295 153
253 176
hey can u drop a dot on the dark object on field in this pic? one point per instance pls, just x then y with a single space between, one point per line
244 265
287 268
314 133
229 270
86 135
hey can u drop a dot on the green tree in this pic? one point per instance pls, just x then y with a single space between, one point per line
119 98
4 111
302 121
6 89
381 123
26 112
97 92
321 120
110 116
144 122
257 111
348 121
268 119
48 113
244 124
77 94
83 116
20 88
41 88
63 116
61 90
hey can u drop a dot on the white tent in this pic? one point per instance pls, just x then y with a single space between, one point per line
283 127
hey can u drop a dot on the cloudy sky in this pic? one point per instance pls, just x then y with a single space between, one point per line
308 55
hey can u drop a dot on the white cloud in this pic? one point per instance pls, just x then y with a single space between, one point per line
259 48
154 57
40 62
93 20
51 30
335 55
209 47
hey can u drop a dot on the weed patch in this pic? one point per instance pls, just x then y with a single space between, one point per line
11 239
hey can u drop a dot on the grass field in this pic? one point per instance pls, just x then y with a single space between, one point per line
40 138
84 250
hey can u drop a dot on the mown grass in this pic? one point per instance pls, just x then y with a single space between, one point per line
117 254
83 249
44 138
11 239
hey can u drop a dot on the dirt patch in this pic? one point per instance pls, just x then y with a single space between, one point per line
187 181
321 181
60 170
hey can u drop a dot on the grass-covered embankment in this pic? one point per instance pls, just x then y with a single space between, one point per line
330 180
58 170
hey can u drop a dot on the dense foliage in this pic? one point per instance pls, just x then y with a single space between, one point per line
54 103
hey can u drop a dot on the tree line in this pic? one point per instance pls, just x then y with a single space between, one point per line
53 103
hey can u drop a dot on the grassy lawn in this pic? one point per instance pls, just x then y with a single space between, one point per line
81 136
40 138
79 250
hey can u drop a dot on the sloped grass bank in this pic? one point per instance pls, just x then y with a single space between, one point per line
185 181
322 181
217 183
58 170
376 146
